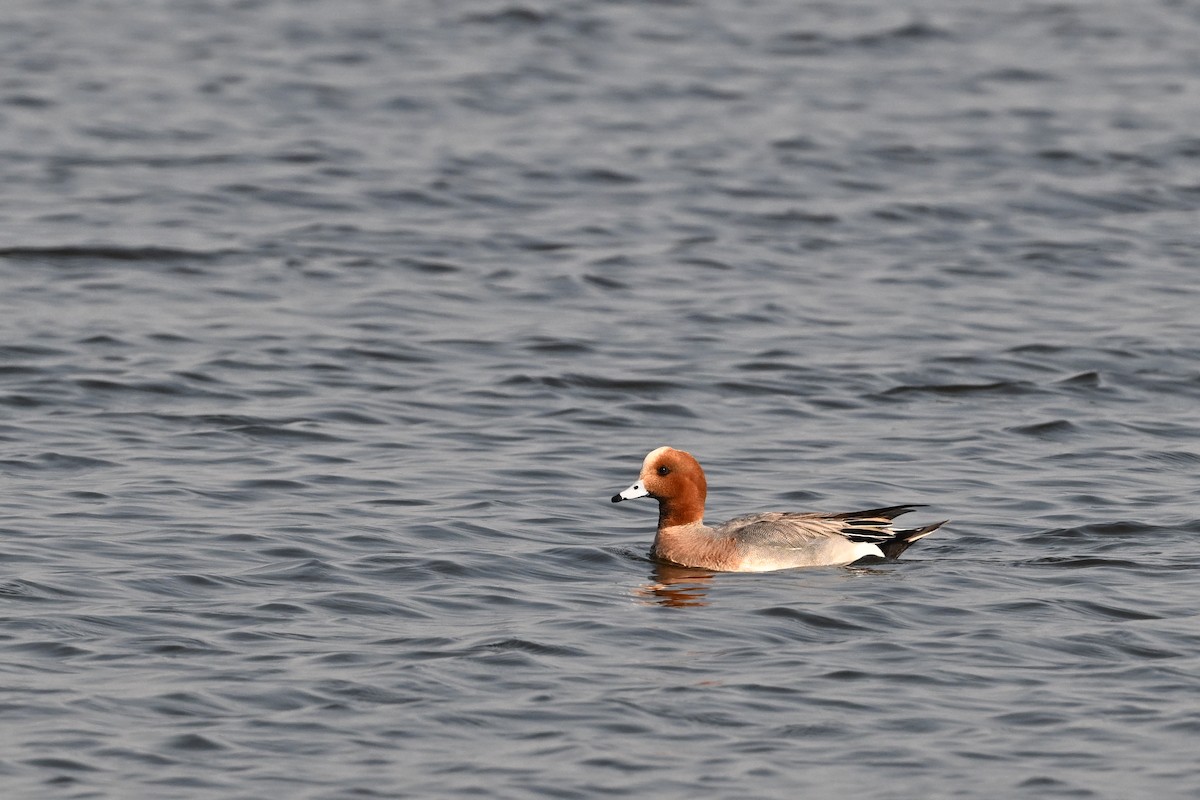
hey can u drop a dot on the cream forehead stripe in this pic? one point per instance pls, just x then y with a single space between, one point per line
653 454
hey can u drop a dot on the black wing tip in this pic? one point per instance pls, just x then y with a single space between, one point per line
886 512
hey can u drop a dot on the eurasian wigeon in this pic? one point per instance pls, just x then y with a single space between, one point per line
758 542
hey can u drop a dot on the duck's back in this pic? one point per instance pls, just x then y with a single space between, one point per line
778 540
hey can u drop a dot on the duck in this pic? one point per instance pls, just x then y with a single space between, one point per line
758 542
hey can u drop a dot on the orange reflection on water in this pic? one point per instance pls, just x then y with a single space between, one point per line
678 587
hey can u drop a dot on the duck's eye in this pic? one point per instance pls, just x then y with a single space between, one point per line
664 471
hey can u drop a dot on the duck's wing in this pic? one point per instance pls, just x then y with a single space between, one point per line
873 525
872 514
785 529
797 531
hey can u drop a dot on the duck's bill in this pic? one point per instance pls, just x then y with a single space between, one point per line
635 491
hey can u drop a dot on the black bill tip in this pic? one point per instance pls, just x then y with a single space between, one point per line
616 498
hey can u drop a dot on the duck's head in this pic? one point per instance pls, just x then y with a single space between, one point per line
673 478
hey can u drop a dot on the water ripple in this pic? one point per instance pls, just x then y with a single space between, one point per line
329 330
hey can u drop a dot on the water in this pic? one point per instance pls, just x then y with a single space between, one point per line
330 328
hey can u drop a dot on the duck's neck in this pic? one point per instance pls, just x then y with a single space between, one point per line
684 508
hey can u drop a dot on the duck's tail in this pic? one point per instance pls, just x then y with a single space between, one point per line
874 525
892 548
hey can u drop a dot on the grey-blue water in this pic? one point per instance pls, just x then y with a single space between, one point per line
329 328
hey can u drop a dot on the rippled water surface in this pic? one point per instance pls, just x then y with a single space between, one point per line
328 329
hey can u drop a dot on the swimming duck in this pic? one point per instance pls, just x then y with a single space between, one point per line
757 542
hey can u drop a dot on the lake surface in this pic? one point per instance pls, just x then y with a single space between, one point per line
328 330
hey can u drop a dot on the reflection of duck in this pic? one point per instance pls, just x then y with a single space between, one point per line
677 586
758 542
